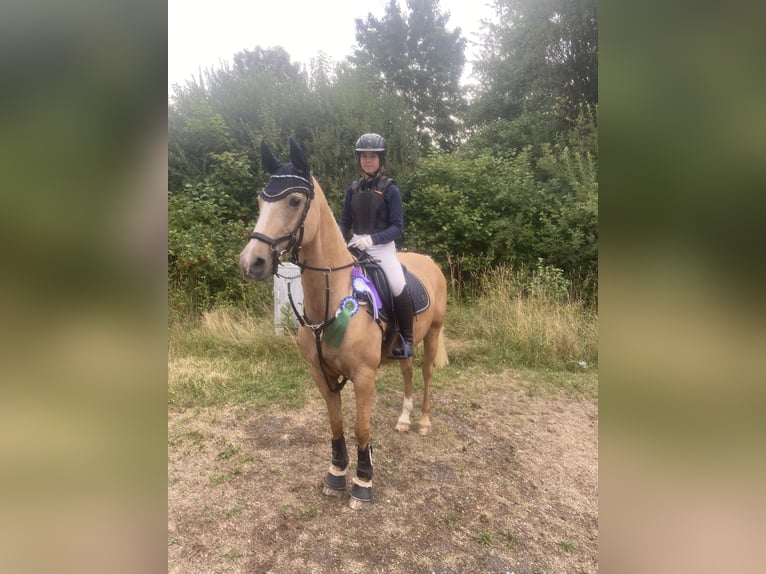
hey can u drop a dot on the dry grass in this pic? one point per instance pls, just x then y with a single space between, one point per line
506 481
234 325
229 357
535 328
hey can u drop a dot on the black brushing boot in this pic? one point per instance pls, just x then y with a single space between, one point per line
361 489
335 481
404 314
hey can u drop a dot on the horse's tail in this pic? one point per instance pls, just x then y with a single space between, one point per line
441 359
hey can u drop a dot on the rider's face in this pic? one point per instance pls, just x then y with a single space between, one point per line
369 161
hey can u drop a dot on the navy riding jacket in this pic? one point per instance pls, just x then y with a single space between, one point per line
385 223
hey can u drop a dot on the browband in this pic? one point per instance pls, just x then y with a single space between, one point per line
280 185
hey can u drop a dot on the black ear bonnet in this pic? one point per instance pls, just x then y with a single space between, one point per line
286 178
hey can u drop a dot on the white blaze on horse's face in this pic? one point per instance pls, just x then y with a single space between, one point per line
266 220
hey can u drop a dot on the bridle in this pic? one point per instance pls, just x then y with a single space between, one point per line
275 190
272 193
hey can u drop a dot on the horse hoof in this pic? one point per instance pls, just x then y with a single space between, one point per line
403 427
333 485
327 491
424 430
361 496
356 504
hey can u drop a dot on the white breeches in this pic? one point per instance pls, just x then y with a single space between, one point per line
386 255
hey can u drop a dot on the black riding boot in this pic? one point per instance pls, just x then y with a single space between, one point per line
404 313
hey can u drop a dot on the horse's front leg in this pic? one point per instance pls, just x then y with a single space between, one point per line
364 394
334 483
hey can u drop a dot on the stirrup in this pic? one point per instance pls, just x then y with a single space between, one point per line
403 351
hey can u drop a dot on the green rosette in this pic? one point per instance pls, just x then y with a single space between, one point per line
337 329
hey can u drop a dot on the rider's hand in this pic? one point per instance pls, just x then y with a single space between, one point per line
363 242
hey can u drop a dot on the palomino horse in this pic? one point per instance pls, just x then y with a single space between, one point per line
295 220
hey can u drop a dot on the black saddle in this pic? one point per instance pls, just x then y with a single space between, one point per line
372 270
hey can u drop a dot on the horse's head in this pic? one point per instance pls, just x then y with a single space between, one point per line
283 209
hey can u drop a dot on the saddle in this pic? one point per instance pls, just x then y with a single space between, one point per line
420 298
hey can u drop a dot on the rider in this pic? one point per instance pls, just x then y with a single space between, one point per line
372 210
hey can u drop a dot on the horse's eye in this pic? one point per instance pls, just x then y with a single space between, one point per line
295 201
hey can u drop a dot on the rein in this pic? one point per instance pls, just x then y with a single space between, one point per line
318 328
276 190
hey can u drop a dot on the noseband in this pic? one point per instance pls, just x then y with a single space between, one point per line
279 187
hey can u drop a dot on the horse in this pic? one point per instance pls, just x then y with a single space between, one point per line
295 222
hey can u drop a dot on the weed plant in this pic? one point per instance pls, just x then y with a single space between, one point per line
523 320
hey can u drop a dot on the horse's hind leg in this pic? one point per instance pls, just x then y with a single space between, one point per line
430 349
403 424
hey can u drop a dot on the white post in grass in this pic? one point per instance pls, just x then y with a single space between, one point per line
284 317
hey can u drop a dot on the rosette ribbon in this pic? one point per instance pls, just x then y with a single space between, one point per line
362 286
337 329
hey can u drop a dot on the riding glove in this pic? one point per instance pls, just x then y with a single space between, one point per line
364 242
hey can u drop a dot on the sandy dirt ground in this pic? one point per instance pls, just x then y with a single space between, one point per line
506 482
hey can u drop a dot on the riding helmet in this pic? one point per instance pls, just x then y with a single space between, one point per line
371 142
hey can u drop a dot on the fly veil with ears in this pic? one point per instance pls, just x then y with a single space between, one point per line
293 177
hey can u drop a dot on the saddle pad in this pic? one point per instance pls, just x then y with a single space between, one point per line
420 299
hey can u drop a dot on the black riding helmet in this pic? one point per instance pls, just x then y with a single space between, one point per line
371 142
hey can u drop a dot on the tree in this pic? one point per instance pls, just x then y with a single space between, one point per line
421 60
260 95
343 111
195 133
204 239
481 208
540 56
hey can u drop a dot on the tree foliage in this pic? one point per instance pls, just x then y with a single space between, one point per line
539 56
419 58
538 203
195 133
507 179
205 235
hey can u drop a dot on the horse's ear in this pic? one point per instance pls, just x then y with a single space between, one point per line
298 158
269 161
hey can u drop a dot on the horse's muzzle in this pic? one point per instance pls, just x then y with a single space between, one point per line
256 268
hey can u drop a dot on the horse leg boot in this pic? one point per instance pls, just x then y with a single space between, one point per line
334 483
361 489
404 316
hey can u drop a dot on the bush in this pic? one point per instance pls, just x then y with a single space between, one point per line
536 206
204 241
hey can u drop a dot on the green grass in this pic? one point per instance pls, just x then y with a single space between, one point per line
229 357
485 539
451 518
308 513
232 554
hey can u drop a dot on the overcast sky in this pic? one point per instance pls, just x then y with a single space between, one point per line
204 33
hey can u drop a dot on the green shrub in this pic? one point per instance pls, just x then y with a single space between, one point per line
204 240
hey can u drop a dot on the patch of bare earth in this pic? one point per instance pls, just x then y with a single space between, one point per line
507 481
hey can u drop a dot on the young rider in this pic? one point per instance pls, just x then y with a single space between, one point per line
372 212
